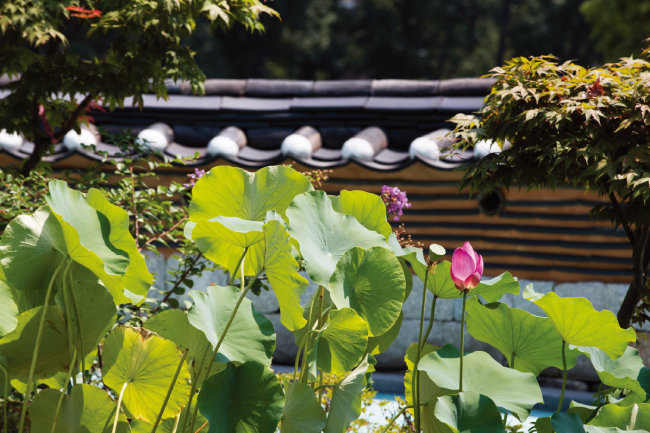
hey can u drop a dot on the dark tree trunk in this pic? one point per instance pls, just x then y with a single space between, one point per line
640 264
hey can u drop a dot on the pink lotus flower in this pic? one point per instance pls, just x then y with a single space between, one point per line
466 267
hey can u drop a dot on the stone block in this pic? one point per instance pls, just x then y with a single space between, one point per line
200 282
285 347
602 296
265 303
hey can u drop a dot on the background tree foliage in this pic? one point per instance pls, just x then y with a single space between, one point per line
334 39
64 55
570 124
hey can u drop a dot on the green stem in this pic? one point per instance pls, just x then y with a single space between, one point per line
462 341
169 391
75 305
320 386
241 259
193 389
5 395
564 376
415 378
178 418
308 341
67 381
303 341
393 419
119 405
37 345
230 320
431 317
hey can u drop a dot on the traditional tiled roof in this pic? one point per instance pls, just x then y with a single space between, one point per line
381 124
372 132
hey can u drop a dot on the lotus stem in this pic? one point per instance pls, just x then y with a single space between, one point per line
178 418
119 405
415 378
564 376
67 381
432 315
4 406
169 391
68 311
462 341
82 348
239 263
307 342
37 346
192 390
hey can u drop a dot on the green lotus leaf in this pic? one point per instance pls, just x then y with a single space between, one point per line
233 192
242 399
372 283
251 336
31 249
170 425
428 391
97 236
174 325
583 411
8 309
381 343
88 409
345 405
92 311
468 412
302 412
5 382
531 340
515 391
622 372
580 324
633 417
324 235
146 365
17 347
597 429
282 272
567 423
341 344
369 209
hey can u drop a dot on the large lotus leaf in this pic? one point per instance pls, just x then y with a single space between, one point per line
250 337
325 235
633 417
567 423
8 309
302 412
468 412
580 324
97 236
428 391
92 311
282 272
531 340
17 347
170 425
372 282
174 325
381 343
341 344
88 409
440 283
369 209
597 429
620 373
515 391
233 230
146 364
242 399
31 249
233 192
345 405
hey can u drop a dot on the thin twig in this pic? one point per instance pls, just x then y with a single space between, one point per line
163 234
178 282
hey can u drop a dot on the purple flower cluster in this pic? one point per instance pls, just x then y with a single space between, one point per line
194 177
395 200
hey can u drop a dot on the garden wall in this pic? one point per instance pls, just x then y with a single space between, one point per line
447 318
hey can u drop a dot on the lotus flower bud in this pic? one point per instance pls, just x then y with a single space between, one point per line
466 267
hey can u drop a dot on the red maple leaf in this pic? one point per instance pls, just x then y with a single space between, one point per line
80 12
